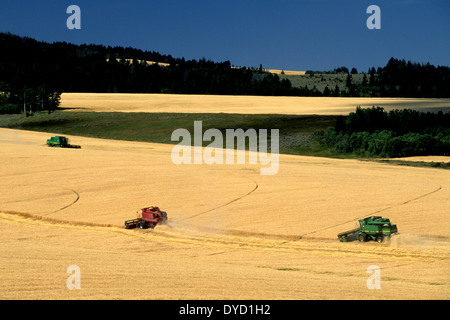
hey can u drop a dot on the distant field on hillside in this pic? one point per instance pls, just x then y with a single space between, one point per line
286 72
153 117
184 103
298 134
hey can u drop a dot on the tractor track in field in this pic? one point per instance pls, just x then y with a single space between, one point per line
395 254
70 204
365 216
225 204
231 240
226 243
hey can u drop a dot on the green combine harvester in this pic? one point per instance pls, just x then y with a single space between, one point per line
373 228
60 142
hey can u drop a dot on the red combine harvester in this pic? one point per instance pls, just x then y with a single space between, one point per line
150 217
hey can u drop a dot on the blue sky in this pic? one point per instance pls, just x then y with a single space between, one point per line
282 34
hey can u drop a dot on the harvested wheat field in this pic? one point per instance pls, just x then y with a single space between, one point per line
182 103
232 233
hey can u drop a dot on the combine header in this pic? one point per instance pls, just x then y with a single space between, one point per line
372 228
60 142
149 218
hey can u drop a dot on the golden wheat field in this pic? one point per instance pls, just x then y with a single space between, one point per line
287 72
182 103
232 232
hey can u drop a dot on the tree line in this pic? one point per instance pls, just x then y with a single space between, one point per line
28 99
34 72
33 75
399 78
397 133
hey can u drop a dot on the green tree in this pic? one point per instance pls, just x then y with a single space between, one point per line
351 87
337 91
364 82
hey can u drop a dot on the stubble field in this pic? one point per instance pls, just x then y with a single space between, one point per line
232 233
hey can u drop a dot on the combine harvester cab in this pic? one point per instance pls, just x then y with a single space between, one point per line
150 217
373 228
60 142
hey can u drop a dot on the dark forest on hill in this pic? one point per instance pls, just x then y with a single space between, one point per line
33 75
